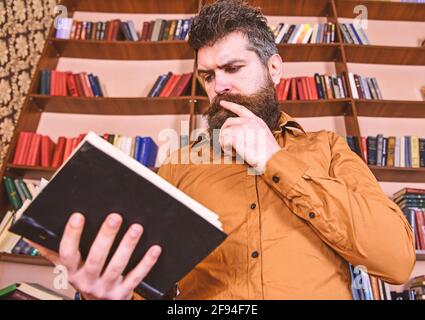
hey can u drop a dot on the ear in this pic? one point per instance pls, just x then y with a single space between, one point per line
275 66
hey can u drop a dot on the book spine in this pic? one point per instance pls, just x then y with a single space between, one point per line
12 193
422 153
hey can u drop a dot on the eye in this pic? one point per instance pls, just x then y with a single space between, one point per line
233 69
208 78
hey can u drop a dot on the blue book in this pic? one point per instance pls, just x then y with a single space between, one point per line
161 84
407 158
93 85
355 33
147 152
137 145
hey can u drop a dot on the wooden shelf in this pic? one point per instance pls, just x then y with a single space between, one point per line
47 170
390 108
385 54
25 259
112 106
383 10
299 108
309 52
395 174
420 255
122 50
133 6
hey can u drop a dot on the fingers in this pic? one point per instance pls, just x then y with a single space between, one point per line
238 109
122 255
233 122
133 279
101 246
69 246
46 253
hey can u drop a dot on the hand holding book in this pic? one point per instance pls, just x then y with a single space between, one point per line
87 276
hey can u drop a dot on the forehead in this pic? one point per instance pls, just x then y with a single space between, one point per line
234 46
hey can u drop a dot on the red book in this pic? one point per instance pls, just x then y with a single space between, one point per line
52 82
81 137
300 89
47 147
293 89
145 30
74 143
306 87
314 94
78 30
27 146
167 88
108 29
420 227
115 29
279 89
181 85
286 89
78 85
63 82
106 136
68 149
34 151
84 85
150 30
58 154
19 150
72 87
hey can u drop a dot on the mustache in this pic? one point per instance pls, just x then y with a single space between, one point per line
263 104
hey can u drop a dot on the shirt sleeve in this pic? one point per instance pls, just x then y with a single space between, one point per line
347 209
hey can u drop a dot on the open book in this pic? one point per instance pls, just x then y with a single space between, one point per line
98 179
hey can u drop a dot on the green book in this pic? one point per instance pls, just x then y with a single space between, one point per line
8 289
12 193
24 188
20 191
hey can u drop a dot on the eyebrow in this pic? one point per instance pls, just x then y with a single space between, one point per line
227 64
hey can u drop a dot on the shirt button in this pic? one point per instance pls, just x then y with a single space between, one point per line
255 254
276 179
311 215
253 206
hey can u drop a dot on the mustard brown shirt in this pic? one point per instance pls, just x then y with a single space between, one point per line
293 230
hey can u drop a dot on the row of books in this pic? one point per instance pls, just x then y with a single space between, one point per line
9 242
143 149
163 30
353 34
66 83
304 33
34 149
171 85
158 30
403 152
29 291
367 287
364 88
412 202
417 285
312 88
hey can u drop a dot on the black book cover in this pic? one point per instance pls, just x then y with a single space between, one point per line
99 179
371 143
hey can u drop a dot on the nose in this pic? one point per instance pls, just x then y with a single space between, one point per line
222 85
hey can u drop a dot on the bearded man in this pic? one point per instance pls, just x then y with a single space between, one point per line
297 209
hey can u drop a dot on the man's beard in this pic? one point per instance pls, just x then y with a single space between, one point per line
263 104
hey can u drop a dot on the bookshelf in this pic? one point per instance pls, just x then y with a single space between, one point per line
338 54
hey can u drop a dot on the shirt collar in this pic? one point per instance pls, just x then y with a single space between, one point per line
286 122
